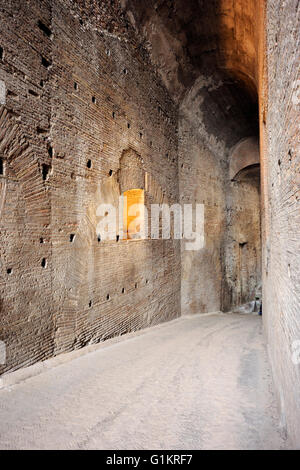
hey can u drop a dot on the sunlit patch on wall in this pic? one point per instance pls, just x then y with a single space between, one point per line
134 214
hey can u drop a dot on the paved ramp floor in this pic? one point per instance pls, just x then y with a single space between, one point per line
200 382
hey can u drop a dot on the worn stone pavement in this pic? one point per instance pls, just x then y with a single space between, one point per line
200 382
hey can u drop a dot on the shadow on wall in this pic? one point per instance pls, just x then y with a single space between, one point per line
242 244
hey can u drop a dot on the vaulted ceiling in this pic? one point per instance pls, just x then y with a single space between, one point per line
216 40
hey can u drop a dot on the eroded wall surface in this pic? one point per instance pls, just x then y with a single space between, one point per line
206 54
83 85
78 94
281 165
202 178
241 248
226 272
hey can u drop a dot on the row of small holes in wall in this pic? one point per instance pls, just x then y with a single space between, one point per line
129 126
289 156
117 238
43 264
47 63
94 100
123 292
114 117
89 163
89 166
72 238
159 108
44 261
47 31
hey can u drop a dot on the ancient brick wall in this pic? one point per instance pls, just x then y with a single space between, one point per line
78 94
201 179
83 84
25 232
226 272
241 248
281 262
206 54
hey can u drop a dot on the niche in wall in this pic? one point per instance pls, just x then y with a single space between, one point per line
132 187
134 214
242 244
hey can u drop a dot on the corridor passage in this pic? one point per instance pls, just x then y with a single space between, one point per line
201 382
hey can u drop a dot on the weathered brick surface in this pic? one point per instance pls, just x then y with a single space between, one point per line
226 273
84 93
281 261
201 182
97 98
77 93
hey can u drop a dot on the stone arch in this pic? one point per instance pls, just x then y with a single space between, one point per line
245 154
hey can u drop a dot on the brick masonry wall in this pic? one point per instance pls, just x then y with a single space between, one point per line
201 182
281 261
77 97
226 273
77 93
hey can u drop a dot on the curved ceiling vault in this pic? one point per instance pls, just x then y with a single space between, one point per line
213 43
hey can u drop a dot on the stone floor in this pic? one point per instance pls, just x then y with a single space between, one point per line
199 382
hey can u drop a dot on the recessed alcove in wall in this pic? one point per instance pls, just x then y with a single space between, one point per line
244 155
131 181
242 247
134 214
